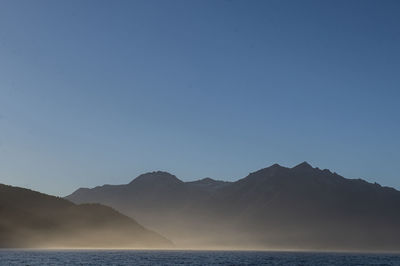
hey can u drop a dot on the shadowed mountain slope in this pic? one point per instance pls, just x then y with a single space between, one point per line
33 219
276 207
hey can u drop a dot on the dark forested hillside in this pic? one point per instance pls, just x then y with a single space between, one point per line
33 219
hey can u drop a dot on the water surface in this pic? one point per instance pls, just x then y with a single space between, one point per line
152 257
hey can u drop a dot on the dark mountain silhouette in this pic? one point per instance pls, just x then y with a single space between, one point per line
276 207
208 184
33 219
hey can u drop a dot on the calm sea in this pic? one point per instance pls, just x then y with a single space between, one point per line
125 257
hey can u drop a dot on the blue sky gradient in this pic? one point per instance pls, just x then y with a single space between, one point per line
95 92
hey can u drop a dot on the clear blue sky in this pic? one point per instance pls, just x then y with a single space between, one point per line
95 92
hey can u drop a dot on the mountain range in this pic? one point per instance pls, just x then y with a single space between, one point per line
273 208
30 219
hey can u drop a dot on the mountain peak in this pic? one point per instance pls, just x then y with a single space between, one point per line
303 166
156 176
271 170
275 168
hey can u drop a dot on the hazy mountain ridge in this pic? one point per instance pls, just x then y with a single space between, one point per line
299 207
32 219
